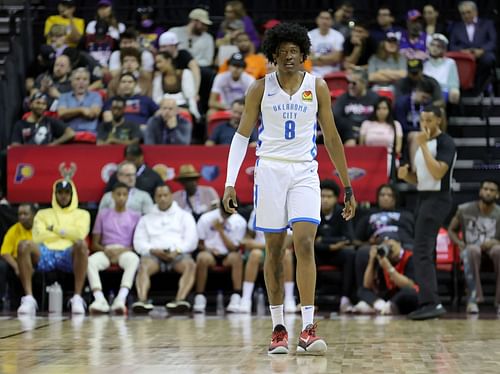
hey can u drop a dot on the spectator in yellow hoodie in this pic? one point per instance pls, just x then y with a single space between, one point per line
58 244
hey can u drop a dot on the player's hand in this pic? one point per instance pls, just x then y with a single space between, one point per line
423 136
349 209
229 200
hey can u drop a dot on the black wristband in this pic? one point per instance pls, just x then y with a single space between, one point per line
347 193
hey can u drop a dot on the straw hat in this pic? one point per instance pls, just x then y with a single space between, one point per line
187 171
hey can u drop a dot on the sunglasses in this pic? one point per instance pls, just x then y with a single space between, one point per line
354 83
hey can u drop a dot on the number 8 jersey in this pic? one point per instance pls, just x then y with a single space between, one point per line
288 123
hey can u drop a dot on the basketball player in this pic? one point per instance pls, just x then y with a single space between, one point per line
287 191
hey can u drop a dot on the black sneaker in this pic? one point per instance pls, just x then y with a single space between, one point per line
427 312
178 306
140 307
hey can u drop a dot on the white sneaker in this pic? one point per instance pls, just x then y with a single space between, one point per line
118 306
289 306
99 306
234 303
363 308
28 306
140 307
77 305
472 308
386 310
200 303
345 305
246 306
378 305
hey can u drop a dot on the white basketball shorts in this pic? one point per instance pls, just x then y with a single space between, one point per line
284 193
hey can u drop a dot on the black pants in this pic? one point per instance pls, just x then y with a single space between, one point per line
15 288
343 258
361 262
431 211
405 299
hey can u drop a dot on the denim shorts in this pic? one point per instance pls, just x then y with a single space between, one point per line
55 259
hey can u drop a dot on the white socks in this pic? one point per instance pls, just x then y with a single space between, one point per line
98 295
247 291
307 315
122 294
277 315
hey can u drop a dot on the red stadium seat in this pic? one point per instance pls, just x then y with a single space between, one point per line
466 65
216 119
337 83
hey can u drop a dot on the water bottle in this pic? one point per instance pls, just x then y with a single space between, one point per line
55 298
220 303
261 302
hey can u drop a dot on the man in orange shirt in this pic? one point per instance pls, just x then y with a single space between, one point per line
256 62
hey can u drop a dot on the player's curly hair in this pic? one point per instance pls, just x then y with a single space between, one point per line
282 33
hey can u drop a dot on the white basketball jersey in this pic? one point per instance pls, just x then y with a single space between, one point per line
288 128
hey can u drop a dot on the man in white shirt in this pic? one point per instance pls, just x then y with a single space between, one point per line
220 235
326 46
230 85
442 68
165 239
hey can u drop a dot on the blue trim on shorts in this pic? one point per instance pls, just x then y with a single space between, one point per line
304 219
51 259
270 230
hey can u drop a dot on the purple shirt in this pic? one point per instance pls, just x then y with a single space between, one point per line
116 227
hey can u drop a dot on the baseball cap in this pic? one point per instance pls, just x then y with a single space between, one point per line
200 15
440 37
414 65
238 60
39 95
393 36
105 3
63 185
168 38
270 24
413 14
67 2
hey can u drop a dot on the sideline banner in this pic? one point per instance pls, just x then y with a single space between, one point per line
31 170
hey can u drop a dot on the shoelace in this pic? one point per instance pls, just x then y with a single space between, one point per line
311 331
279 336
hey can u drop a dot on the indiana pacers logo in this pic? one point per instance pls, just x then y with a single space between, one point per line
23 172
307 96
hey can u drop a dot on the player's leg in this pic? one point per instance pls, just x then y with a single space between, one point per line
185 266
28 254
129 262
204 260
97 262
235 261
147 267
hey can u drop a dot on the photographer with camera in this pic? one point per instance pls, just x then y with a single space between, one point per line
388 286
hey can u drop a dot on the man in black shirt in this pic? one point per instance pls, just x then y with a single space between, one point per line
434 162
38 129
118 131
147 179
333 239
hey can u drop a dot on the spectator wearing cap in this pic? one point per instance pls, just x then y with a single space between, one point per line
412 93
146 178
230 85
354 106
80 108
431 23
100 44
105 13
256 63
413 42
195 39
181 58
149 30
234 11
38 129
327 46
138 108
443 69
138 200
223 134
74 26
387 66
168 127
476 36
194 198
58 243
359 47
129 39
55 83
384 25
174 83
130 59
389 279
119 130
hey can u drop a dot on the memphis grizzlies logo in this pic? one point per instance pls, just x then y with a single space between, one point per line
23 173
210 172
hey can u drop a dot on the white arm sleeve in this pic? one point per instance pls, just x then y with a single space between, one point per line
237 154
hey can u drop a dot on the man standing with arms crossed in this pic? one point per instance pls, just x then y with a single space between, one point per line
287 189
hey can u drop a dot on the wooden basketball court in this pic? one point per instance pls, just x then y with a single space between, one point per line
238 344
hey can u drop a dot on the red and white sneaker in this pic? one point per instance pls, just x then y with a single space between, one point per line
309 343
279 341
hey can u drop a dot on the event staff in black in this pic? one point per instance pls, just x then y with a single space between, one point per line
434 162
